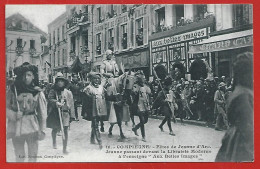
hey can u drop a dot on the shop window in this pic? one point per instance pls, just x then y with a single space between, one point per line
160 15
124 36
241 14
124 8
139 32
98 47
111 39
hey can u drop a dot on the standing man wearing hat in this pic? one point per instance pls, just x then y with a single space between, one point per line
161 101
109 66
95 109
60 103
26 112
220 106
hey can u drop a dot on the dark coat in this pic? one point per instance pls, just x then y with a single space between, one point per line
238 142
160 102
53 120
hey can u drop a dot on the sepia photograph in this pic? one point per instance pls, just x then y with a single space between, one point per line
129 83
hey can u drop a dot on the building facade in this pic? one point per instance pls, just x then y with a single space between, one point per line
23 43
143 36
188 25
57 39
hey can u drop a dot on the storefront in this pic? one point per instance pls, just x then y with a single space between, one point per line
223 49
135 60
171 48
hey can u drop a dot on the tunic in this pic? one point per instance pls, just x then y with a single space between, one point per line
34 110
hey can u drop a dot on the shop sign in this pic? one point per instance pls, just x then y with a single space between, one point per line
180 38
223 45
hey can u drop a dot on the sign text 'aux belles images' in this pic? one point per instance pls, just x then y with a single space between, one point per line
180 38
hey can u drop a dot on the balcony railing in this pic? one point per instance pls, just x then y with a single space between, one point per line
19 50
84 19
182 22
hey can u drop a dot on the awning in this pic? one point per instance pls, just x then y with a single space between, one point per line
224 42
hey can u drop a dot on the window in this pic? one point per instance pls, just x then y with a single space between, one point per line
160 19
124 8
73 43
49 39
111 39
200 11
32 44
124 36
62 32
53 37
64 56
139 32
241 14
98 47
111 12
85 39
19 42
99 15
179 13
58 58
58 34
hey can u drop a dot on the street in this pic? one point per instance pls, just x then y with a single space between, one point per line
191 144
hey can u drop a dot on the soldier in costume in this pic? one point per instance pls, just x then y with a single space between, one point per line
94 107
161 101
109 65
141 105
60 101
26 112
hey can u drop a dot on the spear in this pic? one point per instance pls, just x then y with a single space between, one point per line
155 74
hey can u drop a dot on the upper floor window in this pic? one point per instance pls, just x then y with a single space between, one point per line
200 11
58 33
99 14
179 13
241 14
124 8
53 37
124 36
19 42
139 32
32 44
160 15
111 39
98 47
62 32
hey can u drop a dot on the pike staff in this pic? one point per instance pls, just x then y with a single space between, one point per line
172 111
